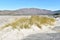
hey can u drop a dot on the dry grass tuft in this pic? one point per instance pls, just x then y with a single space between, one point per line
26 23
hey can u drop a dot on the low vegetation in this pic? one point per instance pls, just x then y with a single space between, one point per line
26 23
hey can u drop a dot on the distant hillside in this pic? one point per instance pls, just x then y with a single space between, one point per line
57 12
27 11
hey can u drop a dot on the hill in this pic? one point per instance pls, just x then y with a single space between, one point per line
27 11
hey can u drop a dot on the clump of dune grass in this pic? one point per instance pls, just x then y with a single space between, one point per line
26 23
40 20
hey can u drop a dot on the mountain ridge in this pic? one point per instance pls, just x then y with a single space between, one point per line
27 11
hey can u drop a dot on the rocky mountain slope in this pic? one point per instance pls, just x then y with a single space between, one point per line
27 11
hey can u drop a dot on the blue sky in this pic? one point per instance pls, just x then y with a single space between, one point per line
18 4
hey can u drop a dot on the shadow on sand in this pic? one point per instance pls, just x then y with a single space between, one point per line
43 36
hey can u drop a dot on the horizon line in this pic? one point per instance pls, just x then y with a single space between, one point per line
26 8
